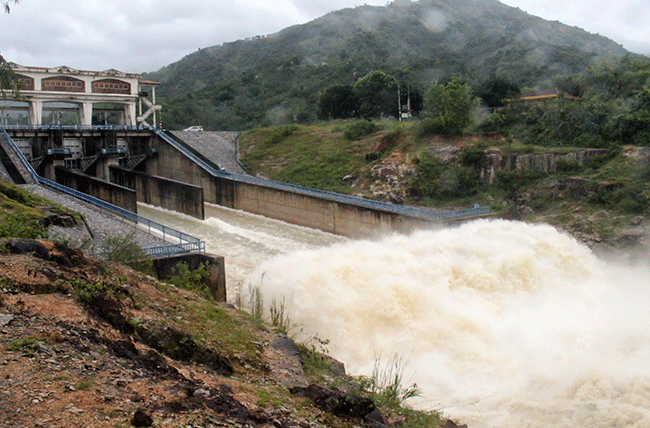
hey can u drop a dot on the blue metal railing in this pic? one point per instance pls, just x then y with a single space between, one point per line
77 127
186 242
21 156
166 231
341 198
168 250
346 199
477 210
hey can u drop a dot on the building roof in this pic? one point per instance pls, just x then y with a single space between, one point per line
64 69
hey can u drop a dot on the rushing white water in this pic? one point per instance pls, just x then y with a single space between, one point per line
245 240
501 324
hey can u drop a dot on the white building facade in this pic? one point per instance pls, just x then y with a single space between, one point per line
40 86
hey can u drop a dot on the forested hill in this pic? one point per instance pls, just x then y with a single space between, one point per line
277 78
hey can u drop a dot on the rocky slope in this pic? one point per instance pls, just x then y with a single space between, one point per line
88 343
558 199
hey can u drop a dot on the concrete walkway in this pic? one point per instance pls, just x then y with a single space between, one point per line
99 225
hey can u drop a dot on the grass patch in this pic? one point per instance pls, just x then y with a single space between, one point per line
275 397
280 316
386 385
314 359
28 346
21 225
234 335
23 214
310 156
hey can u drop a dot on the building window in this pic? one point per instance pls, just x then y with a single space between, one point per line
24 83
111 86
62 84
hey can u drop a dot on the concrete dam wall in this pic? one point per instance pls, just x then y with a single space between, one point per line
338 214
120 165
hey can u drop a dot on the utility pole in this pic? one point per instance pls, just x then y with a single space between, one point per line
399 103
404 111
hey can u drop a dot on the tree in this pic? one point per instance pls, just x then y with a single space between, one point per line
636 128
8 80
7 77
493 92
5 4
449 106
338 102
377 92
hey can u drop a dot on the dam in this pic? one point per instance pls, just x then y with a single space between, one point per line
127 165
499 323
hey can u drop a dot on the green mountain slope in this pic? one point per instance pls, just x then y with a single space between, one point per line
277 78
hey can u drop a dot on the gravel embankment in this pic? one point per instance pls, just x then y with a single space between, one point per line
219 147
99 224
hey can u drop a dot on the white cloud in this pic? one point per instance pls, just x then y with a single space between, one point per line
626 22
142 35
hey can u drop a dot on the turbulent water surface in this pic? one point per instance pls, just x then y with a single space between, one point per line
501 324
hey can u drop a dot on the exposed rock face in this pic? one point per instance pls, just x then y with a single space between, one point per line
390 181
495 161
337 402
640 155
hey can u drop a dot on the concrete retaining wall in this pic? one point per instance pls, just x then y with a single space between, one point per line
161 192
216 282
319 213
172 164
104 190
304 210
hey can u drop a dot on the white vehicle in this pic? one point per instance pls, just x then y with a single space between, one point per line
194 129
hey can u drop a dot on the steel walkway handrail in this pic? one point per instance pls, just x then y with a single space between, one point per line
337 197
186 242
77 127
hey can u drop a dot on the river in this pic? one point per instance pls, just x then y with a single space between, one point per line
500 323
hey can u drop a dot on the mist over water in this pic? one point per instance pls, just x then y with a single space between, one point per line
501 324
245 240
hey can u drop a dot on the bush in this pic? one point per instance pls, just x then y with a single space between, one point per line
359 128
280 133
386 384
127 251
430 127
439 181
624 198
473 156
194 280
568 166
513 181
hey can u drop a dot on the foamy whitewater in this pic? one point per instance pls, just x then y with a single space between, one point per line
501 324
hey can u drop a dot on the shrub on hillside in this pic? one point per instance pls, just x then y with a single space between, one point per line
21 226
360 128
127 251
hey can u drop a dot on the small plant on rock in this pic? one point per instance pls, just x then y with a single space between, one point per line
279 315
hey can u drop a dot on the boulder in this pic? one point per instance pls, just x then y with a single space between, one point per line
337 402
28 246
141 419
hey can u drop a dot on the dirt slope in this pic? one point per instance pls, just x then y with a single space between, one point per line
89 344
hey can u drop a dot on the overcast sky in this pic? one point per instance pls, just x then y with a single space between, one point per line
144 35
